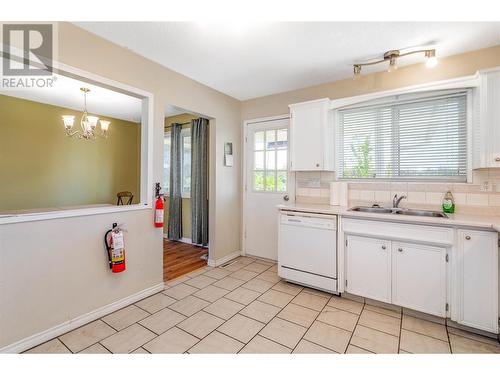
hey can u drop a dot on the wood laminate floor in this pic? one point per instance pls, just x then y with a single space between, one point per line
180 258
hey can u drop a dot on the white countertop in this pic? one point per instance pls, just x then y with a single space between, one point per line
454 220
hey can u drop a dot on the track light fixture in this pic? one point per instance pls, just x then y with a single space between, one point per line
393 55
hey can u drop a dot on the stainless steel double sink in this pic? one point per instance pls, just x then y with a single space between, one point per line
399 211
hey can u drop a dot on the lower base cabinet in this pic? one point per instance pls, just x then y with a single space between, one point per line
419 277
405 274
454 275
477 280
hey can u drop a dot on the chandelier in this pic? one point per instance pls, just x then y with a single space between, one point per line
393 55
88 123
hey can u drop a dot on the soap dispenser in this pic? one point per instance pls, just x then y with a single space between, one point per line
448 203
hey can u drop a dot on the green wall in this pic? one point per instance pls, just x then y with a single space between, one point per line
41 167
186 202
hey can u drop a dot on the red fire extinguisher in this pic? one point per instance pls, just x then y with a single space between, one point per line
115 247
159 206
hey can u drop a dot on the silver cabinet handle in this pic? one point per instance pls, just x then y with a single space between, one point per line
317 165
295 220
383 247
286 198
467 237
400 250
497 159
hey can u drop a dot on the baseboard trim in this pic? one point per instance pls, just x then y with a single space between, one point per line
79 321
185 240
221 261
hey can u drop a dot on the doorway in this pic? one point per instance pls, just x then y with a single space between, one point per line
185 164
267 183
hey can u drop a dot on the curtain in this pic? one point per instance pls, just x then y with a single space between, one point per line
199 181
175 206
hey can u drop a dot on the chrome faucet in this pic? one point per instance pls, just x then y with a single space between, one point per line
396 200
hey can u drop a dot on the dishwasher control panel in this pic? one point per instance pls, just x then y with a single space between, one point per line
309 220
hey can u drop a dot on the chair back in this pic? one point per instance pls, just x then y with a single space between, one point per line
124 198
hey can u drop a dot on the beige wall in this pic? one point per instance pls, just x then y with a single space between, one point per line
66 275
449 67
41 167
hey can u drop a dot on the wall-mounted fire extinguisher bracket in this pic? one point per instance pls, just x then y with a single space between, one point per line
159 206
115 248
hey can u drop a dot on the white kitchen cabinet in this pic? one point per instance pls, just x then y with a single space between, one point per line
368 267
419 277
477 279
311 136
486 129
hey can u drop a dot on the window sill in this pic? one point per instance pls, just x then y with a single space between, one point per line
59 213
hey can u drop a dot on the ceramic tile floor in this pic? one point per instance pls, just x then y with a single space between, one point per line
246 308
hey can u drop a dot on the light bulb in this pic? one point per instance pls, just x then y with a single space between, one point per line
431 58
392 65
104 125
431 62
92 122
357 71
68 121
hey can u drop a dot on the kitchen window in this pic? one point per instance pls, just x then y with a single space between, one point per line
186 162
422 138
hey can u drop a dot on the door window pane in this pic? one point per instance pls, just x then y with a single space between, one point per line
270 181
282 160
258 181
270 160
282 135
270 139
259 141
258 160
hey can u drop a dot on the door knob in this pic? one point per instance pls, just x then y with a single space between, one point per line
497 159
400 250
467 237
286 198
317 165
383 247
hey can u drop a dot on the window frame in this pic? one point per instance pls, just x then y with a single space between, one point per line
275 170
185 132
466 84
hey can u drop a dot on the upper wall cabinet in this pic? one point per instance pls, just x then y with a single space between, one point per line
311 136
486 133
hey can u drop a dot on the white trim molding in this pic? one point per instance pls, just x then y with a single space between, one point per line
455 83
79 321
229 257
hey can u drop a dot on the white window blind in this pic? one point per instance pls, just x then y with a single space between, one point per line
422 138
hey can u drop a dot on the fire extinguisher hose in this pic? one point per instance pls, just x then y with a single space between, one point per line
107 244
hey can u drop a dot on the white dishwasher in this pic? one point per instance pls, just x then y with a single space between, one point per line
307 249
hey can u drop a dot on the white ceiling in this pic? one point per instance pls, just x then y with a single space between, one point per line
100 101
247 60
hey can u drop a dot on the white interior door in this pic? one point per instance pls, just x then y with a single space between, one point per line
268 183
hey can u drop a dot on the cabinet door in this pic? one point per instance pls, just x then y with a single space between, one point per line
477 279
419 277
490 120
368 268
308 124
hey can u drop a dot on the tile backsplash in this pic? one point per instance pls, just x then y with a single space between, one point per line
482 196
